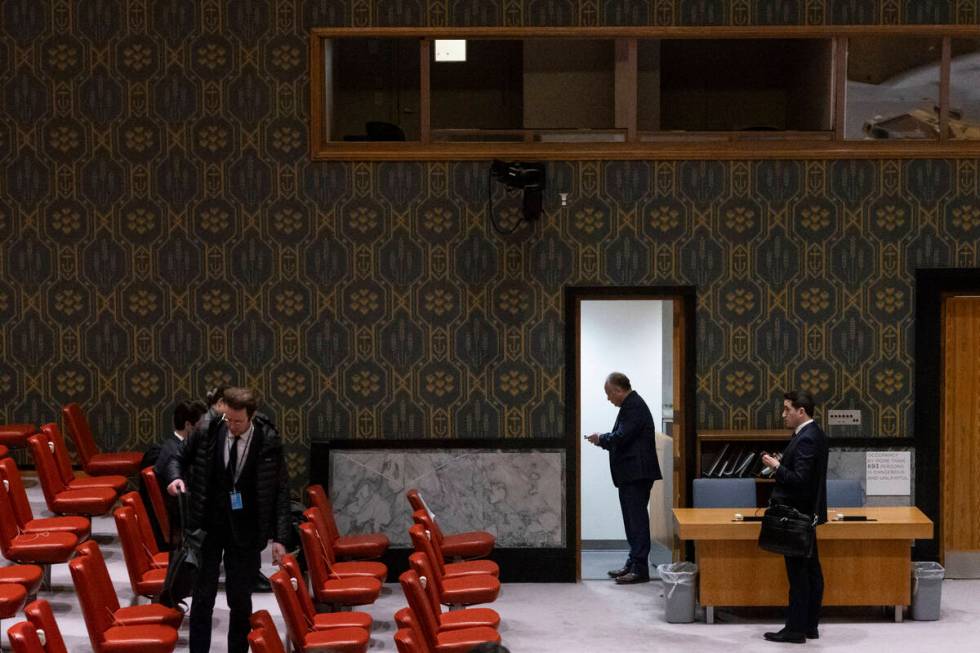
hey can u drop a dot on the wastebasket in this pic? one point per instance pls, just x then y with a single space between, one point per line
927 590
680 582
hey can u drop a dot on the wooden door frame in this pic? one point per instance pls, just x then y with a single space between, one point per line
931 286
685 387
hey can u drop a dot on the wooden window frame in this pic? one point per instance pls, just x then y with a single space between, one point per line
693 145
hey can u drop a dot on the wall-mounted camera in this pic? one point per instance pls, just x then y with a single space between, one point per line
528 177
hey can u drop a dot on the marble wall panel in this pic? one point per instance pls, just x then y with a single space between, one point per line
851 464
519 496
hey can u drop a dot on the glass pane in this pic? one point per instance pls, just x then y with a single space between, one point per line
892 88
964 90
372 89
726 85
569 84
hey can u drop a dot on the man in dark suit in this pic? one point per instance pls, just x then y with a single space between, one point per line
801 482
188 416
634 466
237 481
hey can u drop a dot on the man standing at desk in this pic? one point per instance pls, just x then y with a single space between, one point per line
801 482
634 466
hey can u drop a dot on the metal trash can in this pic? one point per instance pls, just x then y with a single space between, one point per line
680 584
927 590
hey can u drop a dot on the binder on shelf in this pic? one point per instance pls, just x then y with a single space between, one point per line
715 470
731 463
741 470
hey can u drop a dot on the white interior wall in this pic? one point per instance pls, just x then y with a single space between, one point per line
616 336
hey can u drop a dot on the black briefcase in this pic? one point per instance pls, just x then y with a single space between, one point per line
185 561
788 532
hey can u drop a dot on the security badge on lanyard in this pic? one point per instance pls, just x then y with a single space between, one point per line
236 499
236 468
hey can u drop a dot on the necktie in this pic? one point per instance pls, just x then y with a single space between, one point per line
233 459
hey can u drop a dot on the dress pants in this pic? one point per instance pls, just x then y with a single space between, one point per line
241 567
633 500
805 592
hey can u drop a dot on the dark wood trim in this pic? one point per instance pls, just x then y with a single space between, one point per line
840 87
930 287
625 90
651 32
317 118
425 91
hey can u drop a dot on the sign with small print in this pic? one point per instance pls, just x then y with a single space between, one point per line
889 473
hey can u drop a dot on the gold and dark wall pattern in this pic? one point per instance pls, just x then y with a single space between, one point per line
163 230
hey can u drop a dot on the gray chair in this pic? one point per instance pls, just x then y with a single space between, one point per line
724 493
844 493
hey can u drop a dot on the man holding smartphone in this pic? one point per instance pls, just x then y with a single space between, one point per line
633 462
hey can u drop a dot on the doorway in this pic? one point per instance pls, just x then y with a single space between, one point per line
643 334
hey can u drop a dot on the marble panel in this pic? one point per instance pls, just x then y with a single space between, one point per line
852 464
519 496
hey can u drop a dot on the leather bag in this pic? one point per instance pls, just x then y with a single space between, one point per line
788 532
184 562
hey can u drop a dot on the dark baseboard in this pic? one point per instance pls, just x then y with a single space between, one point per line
605 545
516 565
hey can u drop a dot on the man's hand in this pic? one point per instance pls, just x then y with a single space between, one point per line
278 551
593 438
176 487
770 461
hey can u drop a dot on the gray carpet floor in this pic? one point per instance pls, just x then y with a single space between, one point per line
587 616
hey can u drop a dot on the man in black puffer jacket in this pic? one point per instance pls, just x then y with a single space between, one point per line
235 474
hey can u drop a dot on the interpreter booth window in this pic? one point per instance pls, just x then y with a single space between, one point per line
964 90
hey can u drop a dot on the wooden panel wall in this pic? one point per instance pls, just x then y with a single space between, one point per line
961 425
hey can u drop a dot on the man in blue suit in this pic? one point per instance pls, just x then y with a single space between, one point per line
633 462
801 482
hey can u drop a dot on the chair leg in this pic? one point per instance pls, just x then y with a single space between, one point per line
135 600
46 577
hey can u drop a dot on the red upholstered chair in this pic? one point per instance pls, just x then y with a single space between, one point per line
407 641
40 633
302 634
4 451
264 637
328 587
157 501
27 576
114 481
145 579
468 545
14 436
366 546
81 527
454 620
323 620
61 500
158 558
342 569
458 591
31 548
93 462
12 599
453 569
133 615
440 641
103 633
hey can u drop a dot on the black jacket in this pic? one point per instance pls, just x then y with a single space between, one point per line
632 443
194 465
801 478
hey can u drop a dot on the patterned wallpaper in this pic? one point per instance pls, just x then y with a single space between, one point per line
163 230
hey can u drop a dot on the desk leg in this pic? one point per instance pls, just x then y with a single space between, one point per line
709 614
898 614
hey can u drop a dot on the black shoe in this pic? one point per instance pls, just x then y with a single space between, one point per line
616 573
631 578
813 633
261 584
787 636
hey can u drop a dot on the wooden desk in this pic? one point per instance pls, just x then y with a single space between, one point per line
864 563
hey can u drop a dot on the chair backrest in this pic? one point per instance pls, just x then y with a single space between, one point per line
16 491
8 521
423 519
422 544
135 501
420 563
423 617
316 497
137 561
80 432
60 451
419 504
157 501
264 637
844 493
47 468
24 638
315 517
100 572
415 500
724 493
296 624
407 641
289 565
315 562
98 618
40 615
